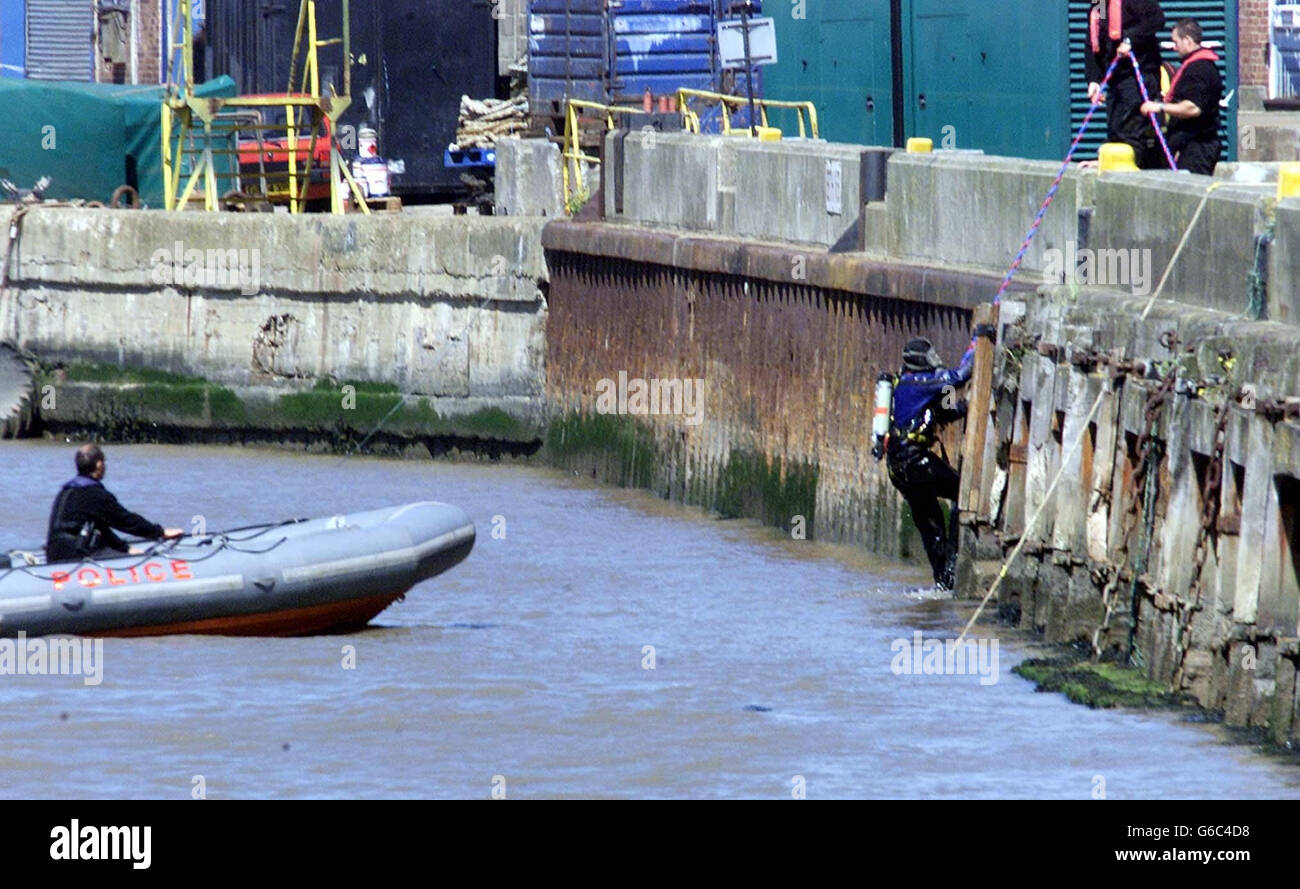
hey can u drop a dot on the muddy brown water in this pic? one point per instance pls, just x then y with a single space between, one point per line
607 645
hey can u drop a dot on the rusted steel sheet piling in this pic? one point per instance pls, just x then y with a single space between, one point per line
788 344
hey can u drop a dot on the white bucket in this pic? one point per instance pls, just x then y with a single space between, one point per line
367 142
377 180
359 175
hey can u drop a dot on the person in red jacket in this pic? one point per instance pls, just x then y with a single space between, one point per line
1124 27
1192 102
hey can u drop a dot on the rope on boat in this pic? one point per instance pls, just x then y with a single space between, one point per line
221 539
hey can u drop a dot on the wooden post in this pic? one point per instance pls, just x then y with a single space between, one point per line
977 419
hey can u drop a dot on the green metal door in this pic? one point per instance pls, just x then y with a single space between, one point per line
857 75
986 75
938 102
837 55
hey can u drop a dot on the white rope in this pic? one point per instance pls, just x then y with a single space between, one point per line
1033 520
1181 244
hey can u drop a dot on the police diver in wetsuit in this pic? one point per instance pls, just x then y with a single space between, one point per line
925 400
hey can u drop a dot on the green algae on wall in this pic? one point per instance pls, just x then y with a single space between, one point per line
364 407
124 398
625 450
752 486
620 450
1102 685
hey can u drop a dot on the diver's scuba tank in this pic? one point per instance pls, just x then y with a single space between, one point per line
884 407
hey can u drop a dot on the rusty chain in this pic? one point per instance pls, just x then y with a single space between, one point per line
1205 535
1155 403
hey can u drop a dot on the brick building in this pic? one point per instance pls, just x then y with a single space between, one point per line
109 41
1253 31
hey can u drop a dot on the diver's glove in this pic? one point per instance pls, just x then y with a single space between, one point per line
986 330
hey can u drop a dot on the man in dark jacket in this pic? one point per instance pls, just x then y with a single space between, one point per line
1192 102
1113 25
85 514
925 399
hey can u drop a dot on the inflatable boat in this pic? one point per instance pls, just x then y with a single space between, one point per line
293 578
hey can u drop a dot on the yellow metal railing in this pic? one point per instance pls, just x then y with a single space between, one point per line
732 104
573 155
576 110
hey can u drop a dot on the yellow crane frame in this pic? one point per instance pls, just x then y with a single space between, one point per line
187 119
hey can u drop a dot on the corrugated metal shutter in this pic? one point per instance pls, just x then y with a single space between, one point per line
58 39
1218 19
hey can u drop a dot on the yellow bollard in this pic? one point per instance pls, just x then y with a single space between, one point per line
763 134
919 145
1288 181
1116 157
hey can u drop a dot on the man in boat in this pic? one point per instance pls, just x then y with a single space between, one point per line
1192 102
85 515
1126 28
924 400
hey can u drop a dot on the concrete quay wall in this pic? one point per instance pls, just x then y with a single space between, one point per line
444 308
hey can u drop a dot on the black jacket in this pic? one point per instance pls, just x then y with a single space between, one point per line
1142 19
84 502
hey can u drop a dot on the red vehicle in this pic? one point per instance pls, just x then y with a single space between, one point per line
264 155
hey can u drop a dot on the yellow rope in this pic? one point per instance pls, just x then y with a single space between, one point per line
1181 244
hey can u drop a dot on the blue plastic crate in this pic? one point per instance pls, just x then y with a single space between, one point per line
470 157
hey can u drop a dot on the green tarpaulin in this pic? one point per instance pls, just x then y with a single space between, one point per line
88 138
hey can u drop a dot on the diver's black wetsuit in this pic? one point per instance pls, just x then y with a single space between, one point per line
923 402
82 522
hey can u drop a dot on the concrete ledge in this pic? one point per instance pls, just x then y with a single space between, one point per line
1284 269
781 191
853 273
1250 173
1269 136
1150 211
738 187
528 178
439 306
673 179
976 210
465 257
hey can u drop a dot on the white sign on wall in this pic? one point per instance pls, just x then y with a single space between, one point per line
762 42
835 187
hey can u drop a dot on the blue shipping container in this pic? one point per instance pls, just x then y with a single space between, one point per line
13 38
612 52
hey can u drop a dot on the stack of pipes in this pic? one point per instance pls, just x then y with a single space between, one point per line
484 121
